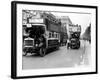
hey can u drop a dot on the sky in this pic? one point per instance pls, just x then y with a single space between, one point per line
83 19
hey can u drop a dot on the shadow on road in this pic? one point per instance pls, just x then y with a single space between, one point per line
37 55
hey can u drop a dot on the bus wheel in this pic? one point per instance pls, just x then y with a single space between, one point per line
68 46
42 52
78 46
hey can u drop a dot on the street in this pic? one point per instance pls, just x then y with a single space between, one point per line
61 58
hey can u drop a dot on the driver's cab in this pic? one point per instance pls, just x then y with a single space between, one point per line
36 38
37 32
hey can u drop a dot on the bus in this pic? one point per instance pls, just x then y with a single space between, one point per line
74 37
43 33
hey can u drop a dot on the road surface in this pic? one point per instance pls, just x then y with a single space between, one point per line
59 58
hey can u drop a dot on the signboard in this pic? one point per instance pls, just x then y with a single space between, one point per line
36 20
74 29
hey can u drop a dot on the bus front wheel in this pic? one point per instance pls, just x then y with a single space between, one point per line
42 52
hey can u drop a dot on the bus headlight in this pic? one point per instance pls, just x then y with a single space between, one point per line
36 45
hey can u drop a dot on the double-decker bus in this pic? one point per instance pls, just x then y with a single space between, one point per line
74 38
43 33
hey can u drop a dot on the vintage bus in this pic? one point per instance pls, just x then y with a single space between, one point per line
43 33
74 37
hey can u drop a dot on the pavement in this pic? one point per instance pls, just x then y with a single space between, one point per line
61 58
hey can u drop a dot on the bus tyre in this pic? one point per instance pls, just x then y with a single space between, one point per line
78 46
68 46
42 52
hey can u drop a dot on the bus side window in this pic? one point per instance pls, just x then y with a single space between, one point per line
56 35
50 34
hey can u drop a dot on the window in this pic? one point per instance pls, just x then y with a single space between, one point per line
56 35
50 34
53 34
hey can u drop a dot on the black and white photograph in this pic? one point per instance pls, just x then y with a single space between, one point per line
56 39
53 39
